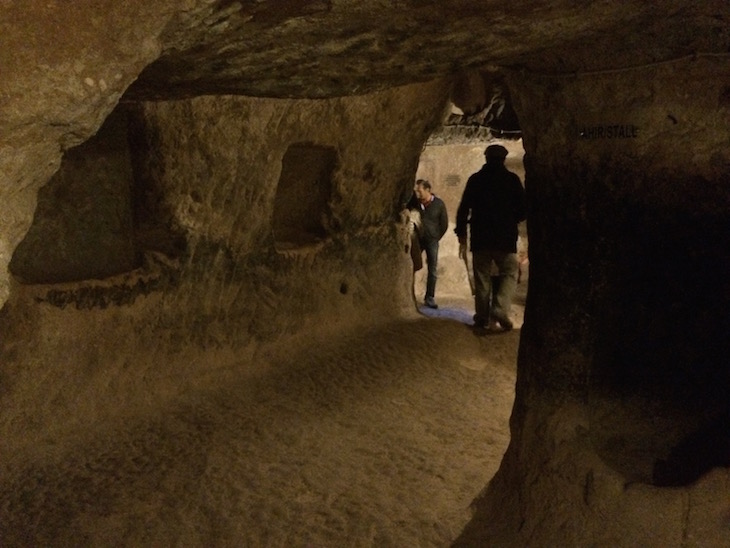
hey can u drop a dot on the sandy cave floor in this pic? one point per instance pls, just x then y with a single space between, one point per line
380 438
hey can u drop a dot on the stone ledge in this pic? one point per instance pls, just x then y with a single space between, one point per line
157 273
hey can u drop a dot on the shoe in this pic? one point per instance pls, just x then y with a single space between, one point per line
505 323
430 302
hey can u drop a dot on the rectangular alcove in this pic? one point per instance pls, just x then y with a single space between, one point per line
301 205
101 213
83 224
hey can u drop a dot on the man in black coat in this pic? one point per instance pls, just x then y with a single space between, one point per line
493 204
434 224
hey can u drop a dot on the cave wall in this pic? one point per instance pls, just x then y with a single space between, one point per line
76 353
624 347
83 223
594 199
64 69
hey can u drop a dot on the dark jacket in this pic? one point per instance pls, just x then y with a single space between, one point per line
434 220
493 204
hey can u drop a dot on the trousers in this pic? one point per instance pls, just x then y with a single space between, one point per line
431 247
490 301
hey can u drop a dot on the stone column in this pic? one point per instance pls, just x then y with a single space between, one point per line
622 374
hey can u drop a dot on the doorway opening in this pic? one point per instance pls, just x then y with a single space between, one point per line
449 158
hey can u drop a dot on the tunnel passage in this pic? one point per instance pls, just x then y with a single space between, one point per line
346 51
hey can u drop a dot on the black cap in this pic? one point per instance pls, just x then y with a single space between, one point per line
496 151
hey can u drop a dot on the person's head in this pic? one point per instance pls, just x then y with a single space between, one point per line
495 154
422 188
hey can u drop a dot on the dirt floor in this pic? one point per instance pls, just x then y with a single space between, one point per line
379 438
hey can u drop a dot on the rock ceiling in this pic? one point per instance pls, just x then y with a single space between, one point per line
324 48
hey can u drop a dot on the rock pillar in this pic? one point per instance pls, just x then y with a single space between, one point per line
622 372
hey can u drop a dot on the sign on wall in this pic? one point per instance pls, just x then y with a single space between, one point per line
607 131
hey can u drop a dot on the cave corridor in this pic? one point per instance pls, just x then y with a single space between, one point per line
207 197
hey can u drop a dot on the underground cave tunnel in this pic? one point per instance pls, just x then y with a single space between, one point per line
122 211
675 387
124 310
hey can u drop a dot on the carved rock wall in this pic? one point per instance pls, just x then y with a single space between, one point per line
64 69
83 223
80 352
622 356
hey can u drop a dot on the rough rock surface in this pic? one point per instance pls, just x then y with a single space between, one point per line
623 109
65 68
215 162
623 347
342 442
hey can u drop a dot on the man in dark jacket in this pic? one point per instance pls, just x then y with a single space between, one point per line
493 204
434 224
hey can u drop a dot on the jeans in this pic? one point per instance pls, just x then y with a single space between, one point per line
489 301
431 247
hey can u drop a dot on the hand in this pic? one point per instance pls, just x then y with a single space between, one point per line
462 250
